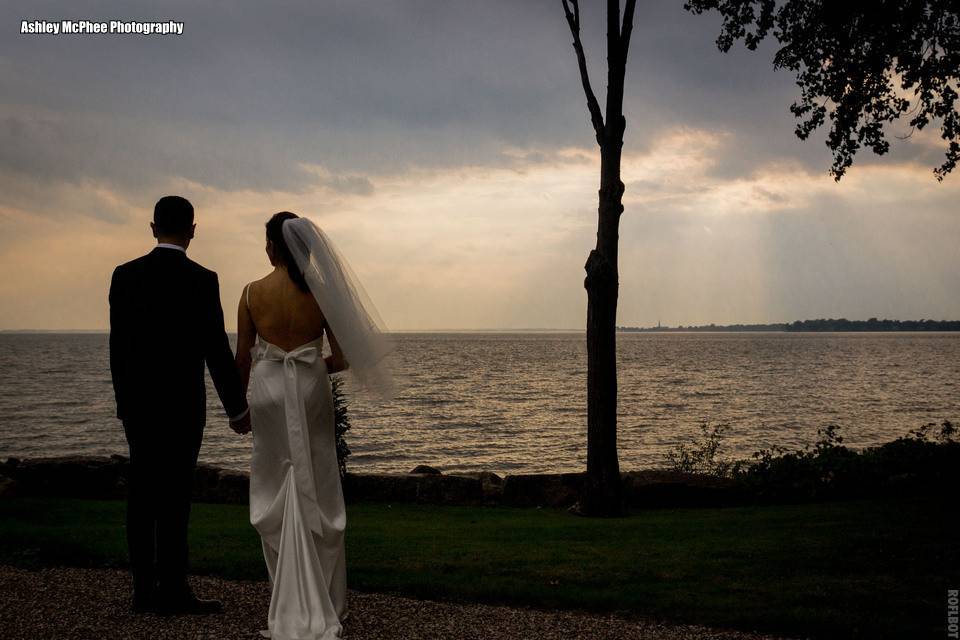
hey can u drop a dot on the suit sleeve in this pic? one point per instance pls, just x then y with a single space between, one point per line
219 356
119 341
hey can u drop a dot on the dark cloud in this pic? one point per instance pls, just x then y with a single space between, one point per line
253 91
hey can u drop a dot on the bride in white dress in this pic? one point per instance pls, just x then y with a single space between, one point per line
296 501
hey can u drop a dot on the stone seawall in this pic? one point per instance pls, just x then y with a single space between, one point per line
106 478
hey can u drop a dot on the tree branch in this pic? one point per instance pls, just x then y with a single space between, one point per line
573 19
613 32
627 29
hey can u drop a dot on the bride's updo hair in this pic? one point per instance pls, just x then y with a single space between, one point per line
281 252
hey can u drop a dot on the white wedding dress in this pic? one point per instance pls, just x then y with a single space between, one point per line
296 501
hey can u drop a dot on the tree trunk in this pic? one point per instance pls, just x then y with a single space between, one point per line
602 494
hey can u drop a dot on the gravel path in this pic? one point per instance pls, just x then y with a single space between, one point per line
94 603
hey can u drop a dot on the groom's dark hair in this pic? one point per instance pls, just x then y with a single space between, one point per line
281 251
173 215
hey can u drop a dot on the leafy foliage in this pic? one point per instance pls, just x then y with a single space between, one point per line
927 458
856 62
341 421
703 456
812 472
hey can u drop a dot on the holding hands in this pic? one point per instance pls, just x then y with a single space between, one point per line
242 425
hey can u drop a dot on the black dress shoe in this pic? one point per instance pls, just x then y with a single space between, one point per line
144 603
187 603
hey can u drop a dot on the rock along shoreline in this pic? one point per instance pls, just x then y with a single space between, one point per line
106 478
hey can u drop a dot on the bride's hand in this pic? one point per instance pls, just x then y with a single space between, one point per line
243 425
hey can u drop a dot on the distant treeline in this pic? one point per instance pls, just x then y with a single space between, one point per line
829 324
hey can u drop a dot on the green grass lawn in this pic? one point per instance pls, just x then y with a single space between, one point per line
867 568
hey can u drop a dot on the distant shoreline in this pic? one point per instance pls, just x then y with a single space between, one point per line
829 325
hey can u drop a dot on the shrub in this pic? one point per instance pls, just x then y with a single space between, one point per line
927 459
703 456
826 469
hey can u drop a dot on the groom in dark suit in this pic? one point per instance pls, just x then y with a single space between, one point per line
166 322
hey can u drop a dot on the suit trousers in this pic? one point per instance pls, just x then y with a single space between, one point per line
163 458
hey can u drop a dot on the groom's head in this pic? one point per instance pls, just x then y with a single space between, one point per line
173 220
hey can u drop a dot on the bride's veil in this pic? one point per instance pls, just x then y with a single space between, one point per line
349 312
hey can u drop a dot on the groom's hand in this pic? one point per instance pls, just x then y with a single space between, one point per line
242 425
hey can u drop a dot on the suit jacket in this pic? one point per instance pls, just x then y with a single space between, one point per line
165 323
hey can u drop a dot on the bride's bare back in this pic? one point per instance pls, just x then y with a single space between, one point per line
282 313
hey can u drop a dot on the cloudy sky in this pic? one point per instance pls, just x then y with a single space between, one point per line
446 147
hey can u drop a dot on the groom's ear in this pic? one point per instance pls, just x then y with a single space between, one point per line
153 228
193 229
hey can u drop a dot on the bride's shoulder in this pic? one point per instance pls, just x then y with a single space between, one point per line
255 285
261 281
